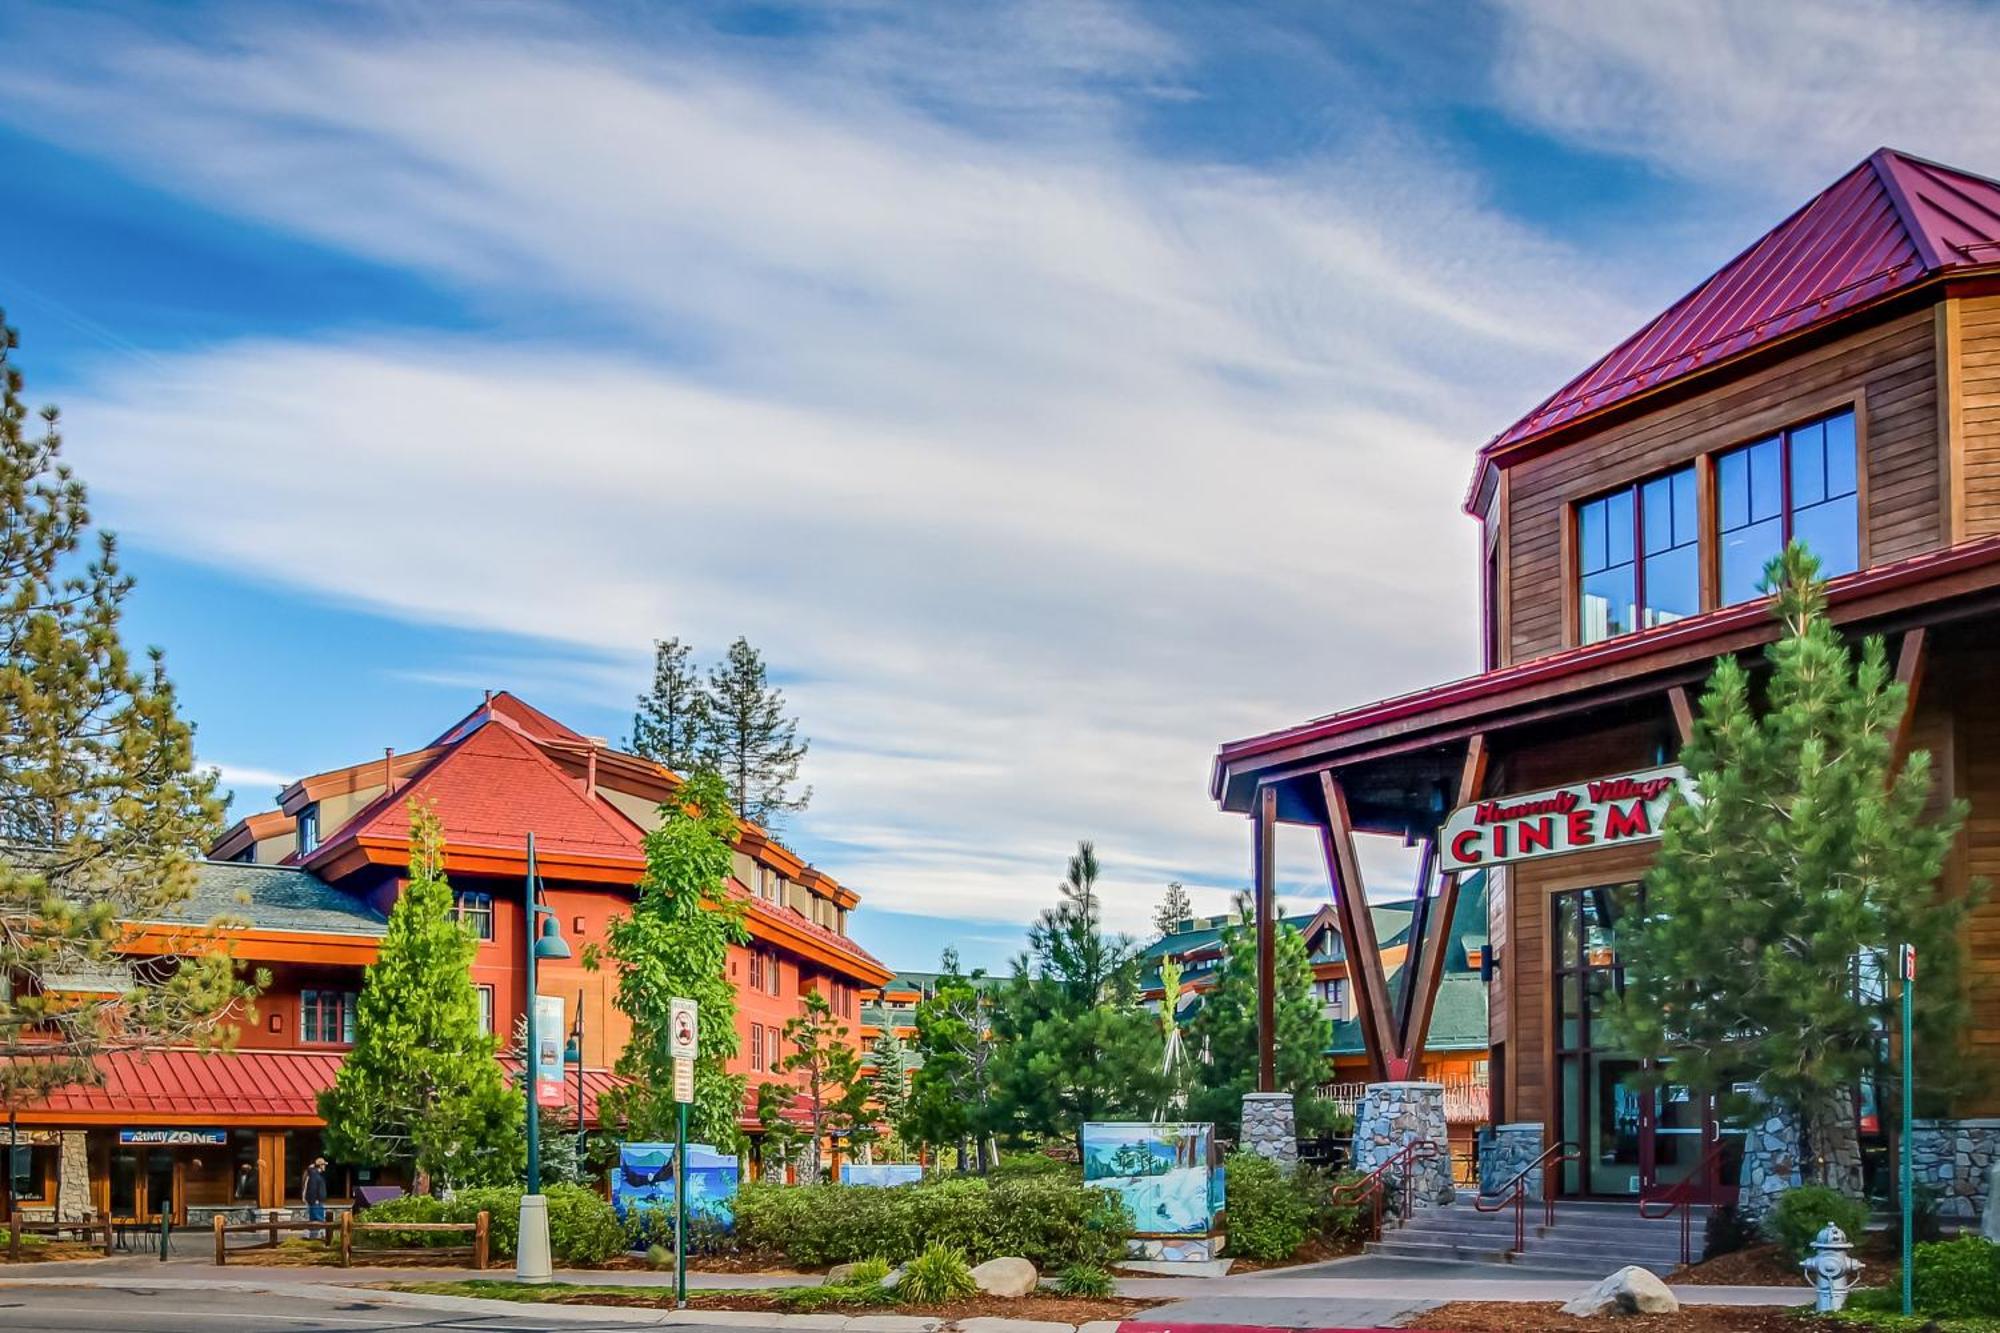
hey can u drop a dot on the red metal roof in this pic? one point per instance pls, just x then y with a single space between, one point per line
1888 224
185 1086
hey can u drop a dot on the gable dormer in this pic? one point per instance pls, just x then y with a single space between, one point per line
1837 382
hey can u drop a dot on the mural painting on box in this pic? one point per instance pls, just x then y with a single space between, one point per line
645 1179
1168 1179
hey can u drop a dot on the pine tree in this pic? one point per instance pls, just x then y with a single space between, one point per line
671 720
890 1083
1074 1044
421 1088
1226 1030
1176 909
750 741
1781 894
101 806
951 1091
674 943
826 1080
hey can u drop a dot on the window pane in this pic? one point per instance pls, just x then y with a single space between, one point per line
1657 498
1767 490
1618 527
1732 476
1685 530
1840 456
1808 444
1745 552
1673 585
1606 603
1832 531
1590 535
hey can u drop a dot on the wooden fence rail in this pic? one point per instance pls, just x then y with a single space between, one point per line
477 1252
55 1229
269 1227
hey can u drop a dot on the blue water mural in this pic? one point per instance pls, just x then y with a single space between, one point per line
881 1175
1166 1174
645 1179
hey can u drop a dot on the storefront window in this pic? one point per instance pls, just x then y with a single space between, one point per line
33 1165
1597 1089
1801 483
243 1146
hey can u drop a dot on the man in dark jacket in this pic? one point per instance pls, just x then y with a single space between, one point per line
315 1194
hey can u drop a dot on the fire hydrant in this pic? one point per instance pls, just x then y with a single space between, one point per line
1831 1269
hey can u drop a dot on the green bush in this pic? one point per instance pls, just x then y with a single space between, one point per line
1801 1212
1270 1215
939 1274
583 1229
1956 1279
1047 1220
1015 1165
1085 1280
869 1273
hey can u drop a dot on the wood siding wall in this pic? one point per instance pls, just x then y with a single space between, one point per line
1975 409
1889 370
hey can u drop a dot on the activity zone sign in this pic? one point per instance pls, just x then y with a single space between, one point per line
1605 812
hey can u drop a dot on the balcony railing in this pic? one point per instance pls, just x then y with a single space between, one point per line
1466 1100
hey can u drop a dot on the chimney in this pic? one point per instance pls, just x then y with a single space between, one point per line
389 767
590 767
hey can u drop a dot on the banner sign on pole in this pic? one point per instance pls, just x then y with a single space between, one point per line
1605 812
681 1016
548 1052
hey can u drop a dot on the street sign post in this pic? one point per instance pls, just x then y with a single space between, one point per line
682 1026
1907 1175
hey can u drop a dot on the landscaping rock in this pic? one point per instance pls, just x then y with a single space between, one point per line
1630 1290
895 1278
1007 1278
840 1274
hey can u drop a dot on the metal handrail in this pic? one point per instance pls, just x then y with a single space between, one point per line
1515 1191
1371 1186
1679 1198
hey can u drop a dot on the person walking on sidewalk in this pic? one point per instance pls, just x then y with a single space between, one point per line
315 1196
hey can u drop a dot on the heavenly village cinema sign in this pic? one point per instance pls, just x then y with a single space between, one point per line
1605 812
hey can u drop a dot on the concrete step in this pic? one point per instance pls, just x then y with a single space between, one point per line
1437 1252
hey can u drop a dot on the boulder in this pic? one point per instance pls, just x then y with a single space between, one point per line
1006 1277
1630 1290
894 1280
840 1274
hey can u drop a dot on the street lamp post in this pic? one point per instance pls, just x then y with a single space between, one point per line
543 940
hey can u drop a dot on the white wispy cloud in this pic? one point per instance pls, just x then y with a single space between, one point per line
252 784
1041 461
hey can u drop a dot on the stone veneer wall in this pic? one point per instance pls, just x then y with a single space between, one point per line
1393 1115
1956 1158
1271 1127
1512 1149
73 1202
1773 1146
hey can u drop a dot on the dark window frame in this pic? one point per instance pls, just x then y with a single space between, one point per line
1635 493
314 1001
478 916
1787 507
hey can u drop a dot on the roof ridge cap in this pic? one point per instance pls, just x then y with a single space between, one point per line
1881 162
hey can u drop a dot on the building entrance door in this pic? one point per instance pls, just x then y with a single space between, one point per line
1682 1138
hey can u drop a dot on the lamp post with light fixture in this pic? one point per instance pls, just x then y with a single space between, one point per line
544 940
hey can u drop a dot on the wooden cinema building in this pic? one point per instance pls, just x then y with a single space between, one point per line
1837 382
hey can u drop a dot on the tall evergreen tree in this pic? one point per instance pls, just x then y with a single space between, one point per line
1225 1031
951 1090
674 943
827 1086
670 723
101 806
1074 1044
750 741
890 1082
421 1088
1176 909
1781 894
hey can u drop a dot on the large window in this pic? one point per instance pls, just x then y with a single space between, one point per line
475 909
326 1017
1800 483
1638 554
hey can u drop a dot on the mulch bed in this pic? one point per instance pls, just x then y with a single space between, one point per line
1519 1317
1316 1251
1059 1309
1768 1265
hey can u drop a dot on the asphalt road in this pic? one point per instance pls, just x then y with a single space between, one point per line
54 1309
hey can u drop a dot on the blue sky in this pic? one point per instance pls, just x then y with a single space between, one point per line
1052 390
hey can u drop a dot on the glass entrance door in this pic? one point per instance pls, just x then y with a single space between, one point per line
1682 1142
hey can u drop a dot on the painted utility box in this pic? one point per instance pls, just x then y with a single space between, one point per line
645 1179
1170 1179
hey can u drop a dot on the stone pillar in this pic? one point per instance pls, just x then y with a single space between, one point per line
1957 1159
73 1201
1773 1149
1513 1150
1393 1115
1270 1127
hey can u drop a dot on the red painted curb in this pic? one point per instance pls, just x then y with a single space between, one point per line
1164 1326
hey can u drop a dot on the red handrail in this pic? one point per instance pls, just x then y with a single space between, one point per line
1370 1187
1515 1191
1679 1198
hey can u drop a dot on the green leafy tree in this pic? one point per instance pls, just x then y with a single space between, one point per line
1225 1031
1781 894
750 741
671 720
101 806
1074 1044
951 1091
421 1088
826 1084
674 944
1176 909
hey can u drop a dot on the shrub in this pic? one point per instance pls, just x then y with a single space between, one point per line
938 1275
583 1230
1725 1232
1087 1280
869 1273
1801 1212
1269 1217
1926 1217
1956 1279
1016 1165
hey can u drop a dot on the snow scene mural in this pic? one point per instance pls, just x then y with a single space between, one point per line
1162 1172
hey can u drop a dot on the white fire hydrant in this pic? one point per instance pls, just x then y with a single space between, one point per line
1831 1269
